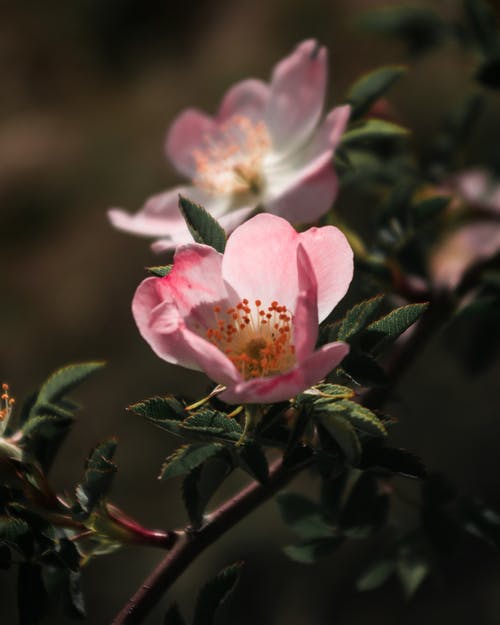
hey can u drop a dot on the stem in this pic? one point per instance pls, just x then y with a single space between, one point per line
190 544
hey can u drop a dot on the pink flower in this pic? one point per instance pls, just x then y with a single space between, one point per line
266 147
477 240
249 317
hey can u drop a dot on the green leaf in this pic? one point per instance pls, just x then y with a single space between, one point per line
395 460
31 594
202 226
376 575
309 551
429 208
188 457
360 417
373 130
210 422
370 87
46 425
303 516
358 317
214 593
365 508
343 433
392 325
164 412
99 473
65 380
412 571
174 616
12 530
202 482
252 459
73 599
482 22
159 271
420 27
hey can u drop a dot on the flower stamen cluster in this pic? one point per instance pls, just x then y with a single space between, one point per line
6 404
256 339
232 162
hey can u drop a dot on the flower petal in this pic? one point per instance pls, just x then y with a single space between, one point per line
332 258
296 96
248 97
160 215
461 250
186 134
305 195
286 385
195 284
305 320
257 261
328 135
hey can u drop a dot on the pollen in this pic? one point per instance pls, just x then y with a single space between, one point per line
231 162
6 403
257 339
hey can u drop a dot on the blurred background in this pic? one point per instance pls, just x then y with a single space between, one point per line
88 89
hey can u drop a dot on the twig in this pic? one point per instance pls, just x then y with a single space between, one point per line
191 543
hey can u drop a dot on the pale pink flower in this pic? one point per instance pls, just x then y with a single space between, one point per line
249 317
478 239
267 147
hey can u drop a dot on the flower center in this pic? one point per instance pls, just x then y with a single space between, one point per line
6 404
232 161
256 339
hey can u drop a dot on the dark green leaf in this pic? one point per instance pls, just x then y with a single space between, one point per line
373 130
420 28
188 457
363 369
370 87
252 459
202 226
99 473
365 508
73 599
482 22
412 571
395 460
431 207
343 433
363 419
392 325
312 550
199 485
160 271
210 422
303 516
159 409
46 425
214 593
174 616
65 380
376 575
31 594
358 317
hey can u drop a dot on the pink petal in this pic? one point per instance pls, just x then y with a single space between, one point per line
329 133
167 334
187 133
160 215
260 261
248 97
305 320
195 284
333 261
461 250
304 195
286 385
296 98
